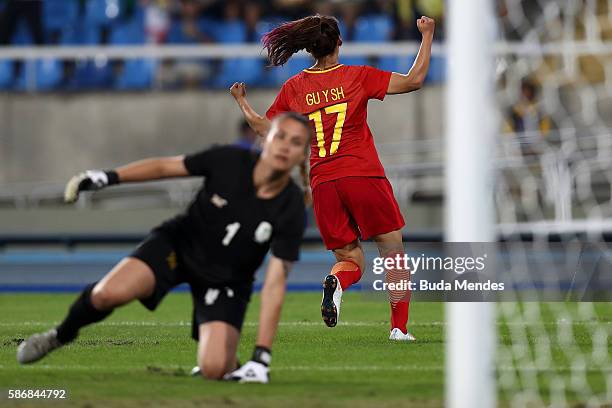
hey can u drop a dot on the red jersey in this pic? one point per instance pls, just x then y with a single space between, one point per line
336 100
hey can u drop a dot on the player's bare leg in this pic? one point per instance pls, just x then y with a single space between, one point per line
345 272
130 279
217 349
390 245
352 252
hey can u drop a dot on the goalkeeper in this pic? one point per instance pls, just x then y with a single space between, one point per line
247 205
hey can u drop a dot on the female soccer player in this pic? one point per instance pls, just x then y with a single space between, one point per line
352 197
247 204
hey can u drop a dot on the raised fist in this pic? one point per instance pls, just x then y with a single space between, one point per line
426 25
238 90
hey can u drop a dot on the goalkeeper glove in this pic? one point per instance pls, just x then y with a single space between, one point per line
254 371
90 180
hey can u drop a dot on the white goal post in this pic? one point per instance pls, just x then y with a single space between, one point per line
470 132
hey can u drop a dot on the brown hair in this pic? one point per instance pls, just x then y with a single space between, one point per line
318 35
303 165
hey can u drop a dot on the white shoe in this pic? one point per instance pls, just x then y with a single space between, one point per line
195 372
397 335
251 372
37 346
332 297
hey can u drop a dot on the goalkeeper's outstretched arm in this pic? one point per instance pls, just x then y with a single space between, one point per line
153 169
142 170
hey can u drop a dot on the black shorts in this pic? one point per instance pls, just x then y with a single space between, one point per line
211 302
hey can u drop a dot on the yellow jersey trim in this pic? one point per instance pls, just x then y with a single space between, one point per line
310 71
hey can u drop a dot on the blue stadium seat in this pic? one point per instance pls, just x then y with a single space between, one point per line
208 26
91 75
437 70
21 82
278 75
102 12
176 35
137 74
399 64
22 35
437 66
129 32
342 28
297 64
353 60
48 74
248 70
230 32
58 14
80 34
265 25
6 74
373 28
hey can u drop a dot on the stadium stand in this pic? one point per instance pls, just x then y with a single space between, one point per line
127 22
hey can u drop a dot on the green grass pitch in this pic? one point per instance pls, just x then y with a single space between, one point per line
139 358
136 358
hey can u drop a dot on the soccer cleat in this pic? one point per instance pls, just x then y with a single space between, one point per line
251 372
332 296
37 346
397 335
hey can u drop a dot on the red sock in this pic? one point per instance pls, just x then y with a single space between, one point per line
399 315
347 272
398 300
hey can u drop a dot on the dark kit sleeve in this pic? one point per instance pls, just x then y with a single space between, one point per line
203 162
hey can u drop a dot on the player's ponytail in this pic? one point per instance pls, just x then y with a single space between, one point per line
319 35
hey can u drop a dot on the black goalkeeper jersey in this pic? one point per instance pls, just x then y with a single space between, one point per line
224 235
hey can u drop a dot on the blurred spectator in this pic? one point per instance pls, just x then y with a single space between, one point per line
252 14
349 12
14 12
166 76
381 7
505 28
526 118
232 10
188 22
521 18
526 115
189 27
157 20
408 11
325 8
248 138
292 9
188 73
184 73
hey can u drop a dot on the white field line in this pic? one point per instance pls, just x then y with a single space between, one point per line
275 368
183 323
405 367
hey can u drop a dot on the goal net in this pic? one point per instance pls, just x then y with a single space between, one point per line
553 202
